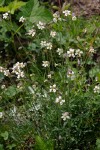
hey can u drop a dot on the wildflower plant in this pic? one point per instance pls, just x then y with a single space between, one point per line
49 79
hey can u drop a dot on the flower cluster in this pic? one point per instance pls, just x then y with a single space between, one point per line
17 69
41 25
60 51
32 32
48 45
97 89
49 76
91 50
53 34
67 12
65 116
60 100
53 88
22 19
5 15
5 71
56 17
45 64
78 53
72 53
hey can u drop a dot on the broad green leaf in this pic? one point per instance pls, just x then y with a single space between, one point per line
34 13
5 135
4 9
13 6
11 91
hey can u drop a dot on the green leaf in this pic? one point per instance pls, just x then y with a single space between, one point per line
40 144
5 135
34 13
1 147
11 91
13 6
98 144
4 9
94 72
2 2
43 145
11 146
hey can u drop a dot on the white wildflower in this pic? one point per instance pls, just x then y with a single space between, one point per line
1 114
45 63
65 116
49 45
91 50
56 17
53 34
60 51
67 12
78 53
97 89
53 88
6 72
31 32
60 100
43 43
17 69
71 52
49 76
5 15
41 25
3 86
20 74
55 20
22 19
56 64
2 69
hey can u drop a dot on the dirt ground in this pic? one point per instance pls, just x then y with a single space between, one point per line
85 7
79 7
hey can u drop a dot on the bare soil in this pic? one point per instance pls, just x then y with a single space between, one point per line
85 7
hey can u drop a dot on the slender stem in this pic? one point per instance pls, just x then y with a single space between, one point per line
18 29
59 2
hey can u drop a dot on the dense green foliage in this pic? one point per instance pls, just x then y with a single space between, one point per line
49 79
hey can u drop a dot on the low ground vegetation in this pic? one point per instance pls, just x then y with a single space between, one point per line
49 79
